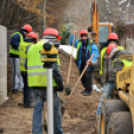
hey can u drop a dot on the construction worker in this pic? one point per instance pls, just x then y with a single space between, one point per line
108 78
16 39
106 69
120 60
28 41
85 48
37 81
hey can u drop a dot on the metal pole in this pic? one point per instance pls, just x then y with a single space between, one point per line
50 101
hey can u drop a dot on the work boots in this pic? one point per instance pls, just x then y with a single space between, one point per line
83 91
86 92
28 105
97 127
14 91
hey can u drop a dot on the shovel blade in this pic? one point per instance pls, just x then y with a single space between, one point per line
67 89
45 126
62 110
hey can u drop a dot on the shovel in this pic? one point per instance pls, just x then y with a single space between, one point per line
45 122
63 106
67 88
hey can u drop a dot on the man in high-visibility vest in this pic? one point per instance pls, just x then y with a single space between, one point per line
120 61
37 80
106 69
85 48
31 39
16 39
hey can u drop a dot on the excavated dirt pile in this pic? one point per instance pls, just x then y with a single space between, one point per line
79 116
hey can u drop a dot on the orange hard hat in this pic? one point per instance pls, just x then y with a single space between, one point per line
110 48
113 36
33 35
28 28
83 32
52 31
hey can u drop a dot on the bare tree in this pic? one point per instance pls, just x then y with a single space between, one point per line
13 15
111 10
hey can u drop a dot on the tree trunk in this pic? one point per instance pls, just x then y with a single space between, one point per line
3 13
10 12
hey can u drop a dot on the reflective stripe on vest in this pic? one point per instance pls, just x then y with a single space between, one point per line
103 51
35 67
78 47
22 58
22 54
22 64
36 73
11 49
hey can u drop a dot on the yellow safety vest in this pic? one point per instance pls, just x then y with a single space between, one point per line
22 54
126 63
103 51
12 50
36 73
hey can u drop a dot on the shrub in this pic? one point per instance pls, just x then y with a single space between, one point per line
64 32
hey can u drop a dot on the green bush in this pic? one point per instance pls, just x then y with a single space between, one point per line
64 32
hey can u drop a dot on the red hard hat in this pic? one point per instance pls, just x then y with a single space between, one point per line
28 28
83 32
110 48
52 31
33 35
113 36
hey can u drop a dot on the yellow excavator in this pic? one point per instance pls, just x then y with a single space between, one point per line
99 30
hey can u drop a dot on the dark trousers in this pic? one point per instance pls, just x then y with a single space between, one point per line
27 91
86 79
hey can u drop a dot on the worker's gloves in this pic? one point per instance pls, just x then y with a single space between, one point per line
60 87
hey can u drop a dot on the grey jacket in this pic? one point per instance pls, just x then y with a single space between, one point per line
107 72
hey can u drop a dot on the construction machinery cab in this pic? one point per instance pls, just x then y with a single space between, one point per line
104 30
101 37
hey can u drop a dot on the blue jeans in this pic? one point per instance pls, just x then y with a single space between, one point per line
17 81
27 91
39 97
107 91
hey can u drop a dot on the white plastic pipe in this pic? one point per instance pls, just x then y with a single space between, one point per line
50 101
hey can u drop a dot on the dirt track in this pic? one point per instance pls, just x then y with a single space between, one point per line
79 117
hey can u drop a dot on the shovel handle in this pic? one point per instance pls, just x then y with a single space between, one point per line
70 60
77 82
44 111
80 77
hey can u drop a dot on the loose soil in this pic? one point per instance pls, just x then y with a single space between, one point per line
79 116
